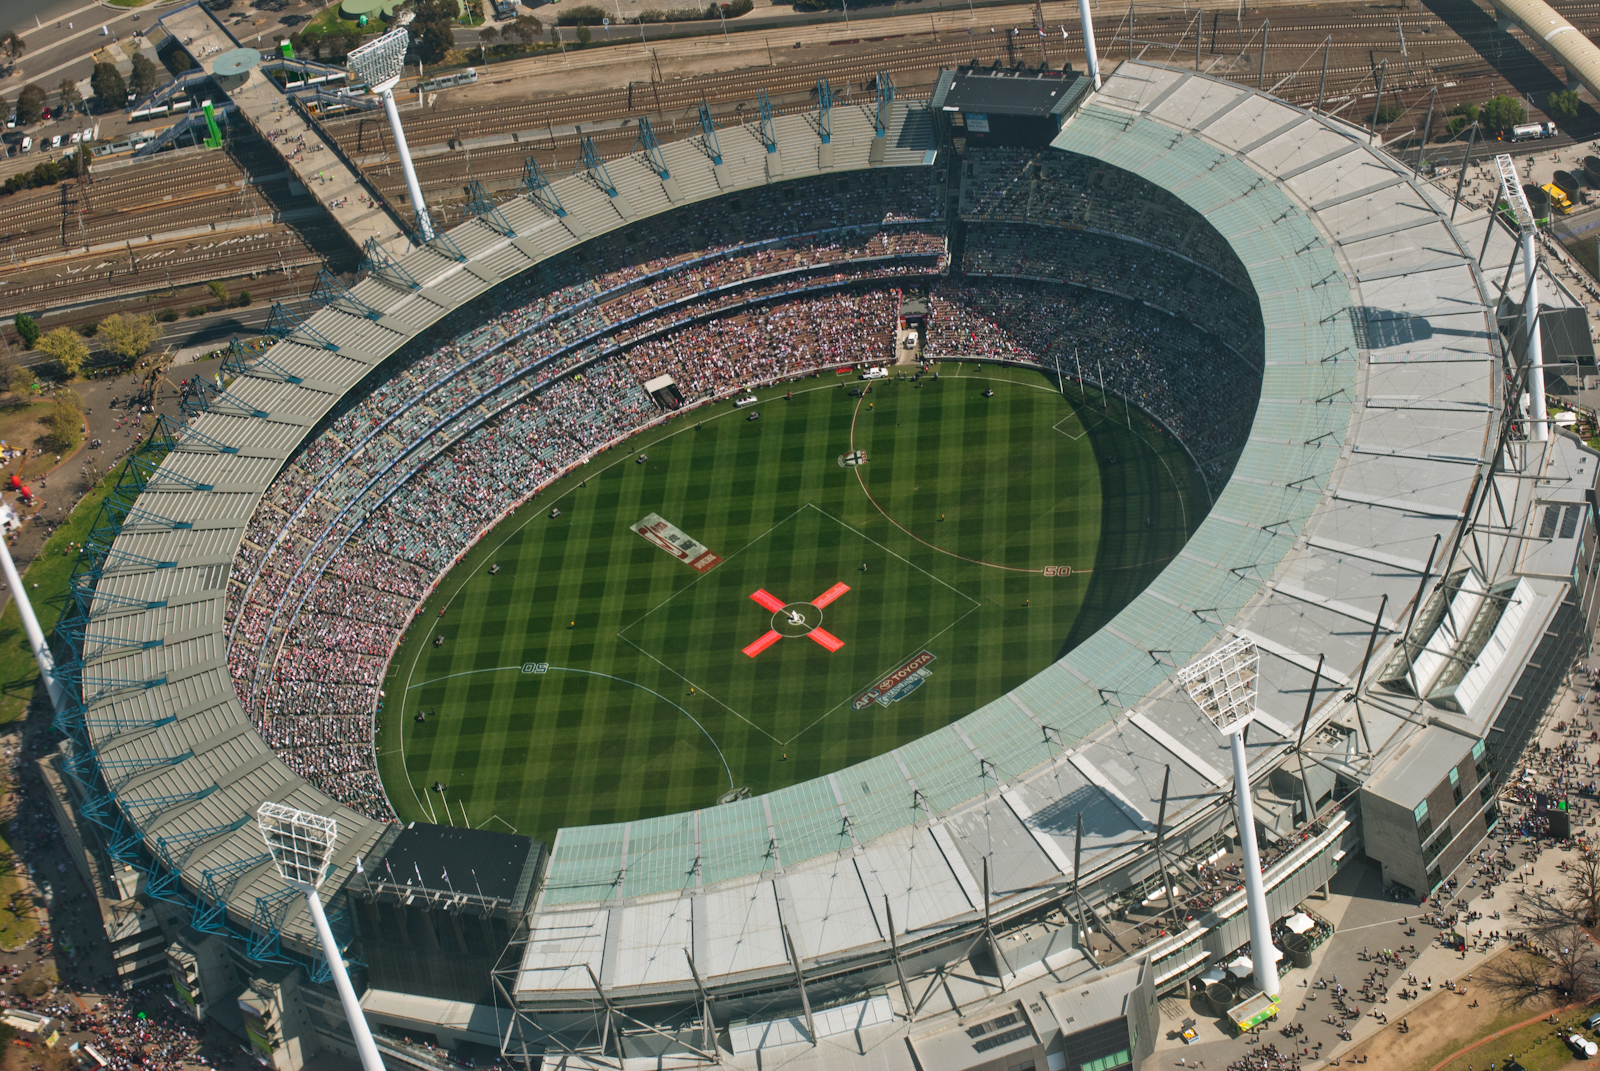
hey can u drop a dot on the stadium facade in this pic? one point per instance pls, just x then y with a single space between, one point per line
1414 572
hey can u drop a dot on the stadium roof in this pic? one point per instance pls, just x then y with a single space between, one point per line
1003 91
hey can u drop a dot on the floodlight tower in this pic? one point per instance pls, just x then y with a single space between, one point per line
300 843
1223 686
1090 57
1511 190
379 64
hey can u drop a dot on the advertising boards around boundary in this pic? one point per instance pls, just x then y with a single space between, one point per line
676 542
897 685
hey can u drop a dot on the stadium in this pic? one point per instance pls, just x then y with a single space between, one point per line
1263 343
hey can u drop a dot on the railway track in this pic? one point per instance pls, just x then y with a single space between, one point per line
99 277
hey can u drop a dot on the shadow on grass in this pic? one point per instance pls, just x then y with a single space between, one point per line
1151 501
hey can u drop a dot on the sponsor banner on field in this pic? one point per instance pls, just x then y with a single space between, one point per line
897 685
676 542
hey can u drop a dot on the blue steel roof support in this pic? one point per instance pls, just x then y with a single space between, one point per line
208 398
120 515
825 112
708 134
652 149
81 587
145 806
885 98
592 163
241 362
266 928
216 885
92 645
483 207
131 768
377 261
539 189
172 852
103 550
282 323
445 246
769 132
330 292
186 438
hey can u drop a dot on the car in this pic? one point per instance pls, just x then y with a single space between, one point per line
45 115
75 138
909 342
88 134
27 145
875 373
55 141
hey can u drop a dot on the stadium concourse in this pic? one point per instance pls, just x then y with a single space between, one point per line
1014 890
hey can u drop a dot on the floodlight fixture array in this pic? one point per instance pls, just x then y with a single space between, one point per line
301 844
1223 685
380 64
1511 193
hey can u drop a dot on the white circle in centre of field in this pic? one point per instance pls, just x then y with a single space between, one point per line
797 619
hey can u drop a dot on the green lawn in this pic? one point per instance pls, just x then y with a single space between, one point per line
597 679
46 578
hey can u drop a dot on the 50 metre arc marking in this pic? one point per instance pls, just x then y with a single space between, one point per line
588 673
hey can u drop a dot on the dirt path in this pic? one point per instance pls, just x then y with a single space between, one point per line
1442 1022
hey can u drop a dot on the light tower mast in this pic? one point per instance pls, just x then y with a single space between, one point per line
1511 192
1223 686
379 64
300 843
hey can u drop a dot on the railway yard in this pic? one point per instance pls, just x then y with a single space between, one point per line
154 231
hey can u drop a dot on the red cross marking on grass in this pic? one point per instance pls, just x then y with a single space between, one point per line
771 602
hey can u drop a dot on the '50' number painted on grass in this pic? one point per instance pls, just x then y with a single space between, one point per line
536 667
1049 570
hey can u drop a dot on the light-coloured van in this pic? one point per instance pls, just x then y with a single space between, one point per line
27 145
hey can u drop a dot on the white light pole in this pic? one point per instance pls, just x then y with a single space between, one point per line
30 625
1223 685
379 64
1511 190
300 843
1091 57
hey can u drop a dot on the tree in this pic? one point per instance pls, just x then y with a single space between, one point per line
527 29
146 75
12 374
27 330
70 97
129 336
218 290
555 35
488 35
1583 885
13 45
1388 112
243 300
109 88
68 349
584 36
30 104
1562 106
433 30
1503 113
432 41
65 421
